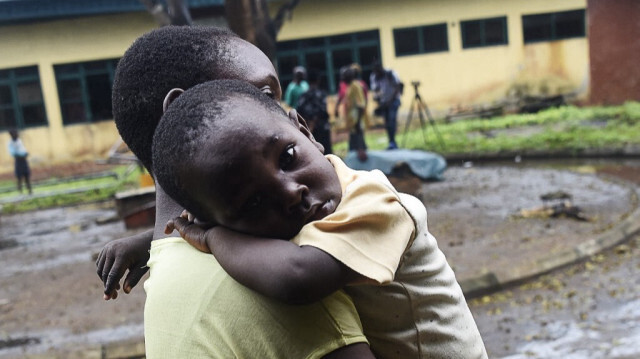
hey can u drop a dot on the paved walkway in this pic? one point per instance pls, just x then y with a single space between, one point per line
472 212
475 215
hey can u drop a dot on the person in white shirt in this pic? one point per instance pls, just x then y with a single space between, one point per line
19 153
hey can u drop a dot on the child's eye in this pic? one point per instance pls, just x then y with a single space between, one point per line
267 91
287 157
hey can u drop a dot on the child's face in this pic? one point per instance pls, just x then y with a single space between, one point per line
264 175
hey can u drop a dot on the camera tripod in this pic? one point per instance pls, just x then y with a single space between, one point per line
423 111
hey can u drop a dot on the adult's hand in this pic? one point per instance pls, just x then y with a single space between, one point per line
122 255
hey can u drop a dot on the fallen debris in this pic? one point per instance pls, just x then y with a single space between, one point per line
563 209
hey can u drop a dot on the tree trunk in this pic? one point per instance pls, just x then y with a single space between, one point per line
176 13
250 19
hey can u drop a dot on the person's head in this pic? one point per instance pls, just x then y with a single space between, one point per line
299 73
343 69
377 67
232 156
357 70
348 75
179 57
14 134
313 77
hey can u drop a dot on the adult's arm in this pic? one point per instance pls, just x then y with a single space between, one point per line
276 268
119 256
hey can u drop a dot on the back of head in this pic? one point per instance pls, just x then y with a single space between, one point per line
163 59
194 117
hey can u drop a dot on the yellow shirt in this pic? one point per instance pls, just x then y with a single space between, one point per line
195 310
354 100
419 311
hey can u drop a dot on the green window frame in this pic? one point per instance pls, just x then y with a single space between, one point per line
84 90
484 32
554 26
327 54
421 39
21 100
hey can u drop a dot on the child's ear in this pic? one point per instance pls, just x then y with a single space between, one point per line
171 96
300 122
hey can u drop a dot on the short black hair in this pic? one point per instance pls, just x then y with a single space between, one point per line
158 61
187 123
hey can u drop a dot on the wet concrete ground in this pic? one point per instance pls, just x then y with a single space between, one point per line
50 296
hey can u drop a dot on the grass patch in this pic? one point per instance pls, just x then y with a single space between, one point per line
88 190
566 128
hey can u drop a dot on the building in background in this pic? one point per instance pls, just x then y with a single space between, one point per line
56 71
59 56
463 52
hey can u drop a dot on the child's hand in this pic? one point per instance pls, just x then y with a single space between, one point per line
193 232
132 254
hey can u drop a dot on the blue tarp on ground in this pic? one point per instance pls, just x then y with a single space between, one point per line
426 165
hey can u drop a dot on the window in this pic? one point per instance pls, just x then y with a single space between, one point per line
553 26
21 102
327 54
484 32
421 39
85 90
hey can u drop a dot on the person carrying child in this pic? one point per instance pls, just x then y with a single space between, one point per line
260 183
194 309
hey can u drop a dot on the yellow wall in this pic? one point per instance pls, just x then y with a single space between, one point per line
458 77
66 41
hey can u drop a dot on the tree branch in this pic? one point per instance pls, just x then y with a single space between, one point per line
158 12
283 13
179 12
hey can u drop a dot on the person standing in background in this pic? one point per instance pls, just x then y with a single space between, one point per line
296 87
354 106
387 89
312 106
19 153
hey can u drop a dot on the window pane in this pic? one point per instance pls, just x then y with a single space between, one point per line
315 42
367 35
67 69
33 115
406 41
70 90
73 113
340 39
471 35
285 69
29 92
495 32
5 95
26 71
4 74
368 54
536 27
435 38
570 24
95 65
7 118
341 58
316 61
99 88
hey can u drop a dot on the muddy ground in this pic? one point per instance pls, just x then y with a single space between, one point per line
51 298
